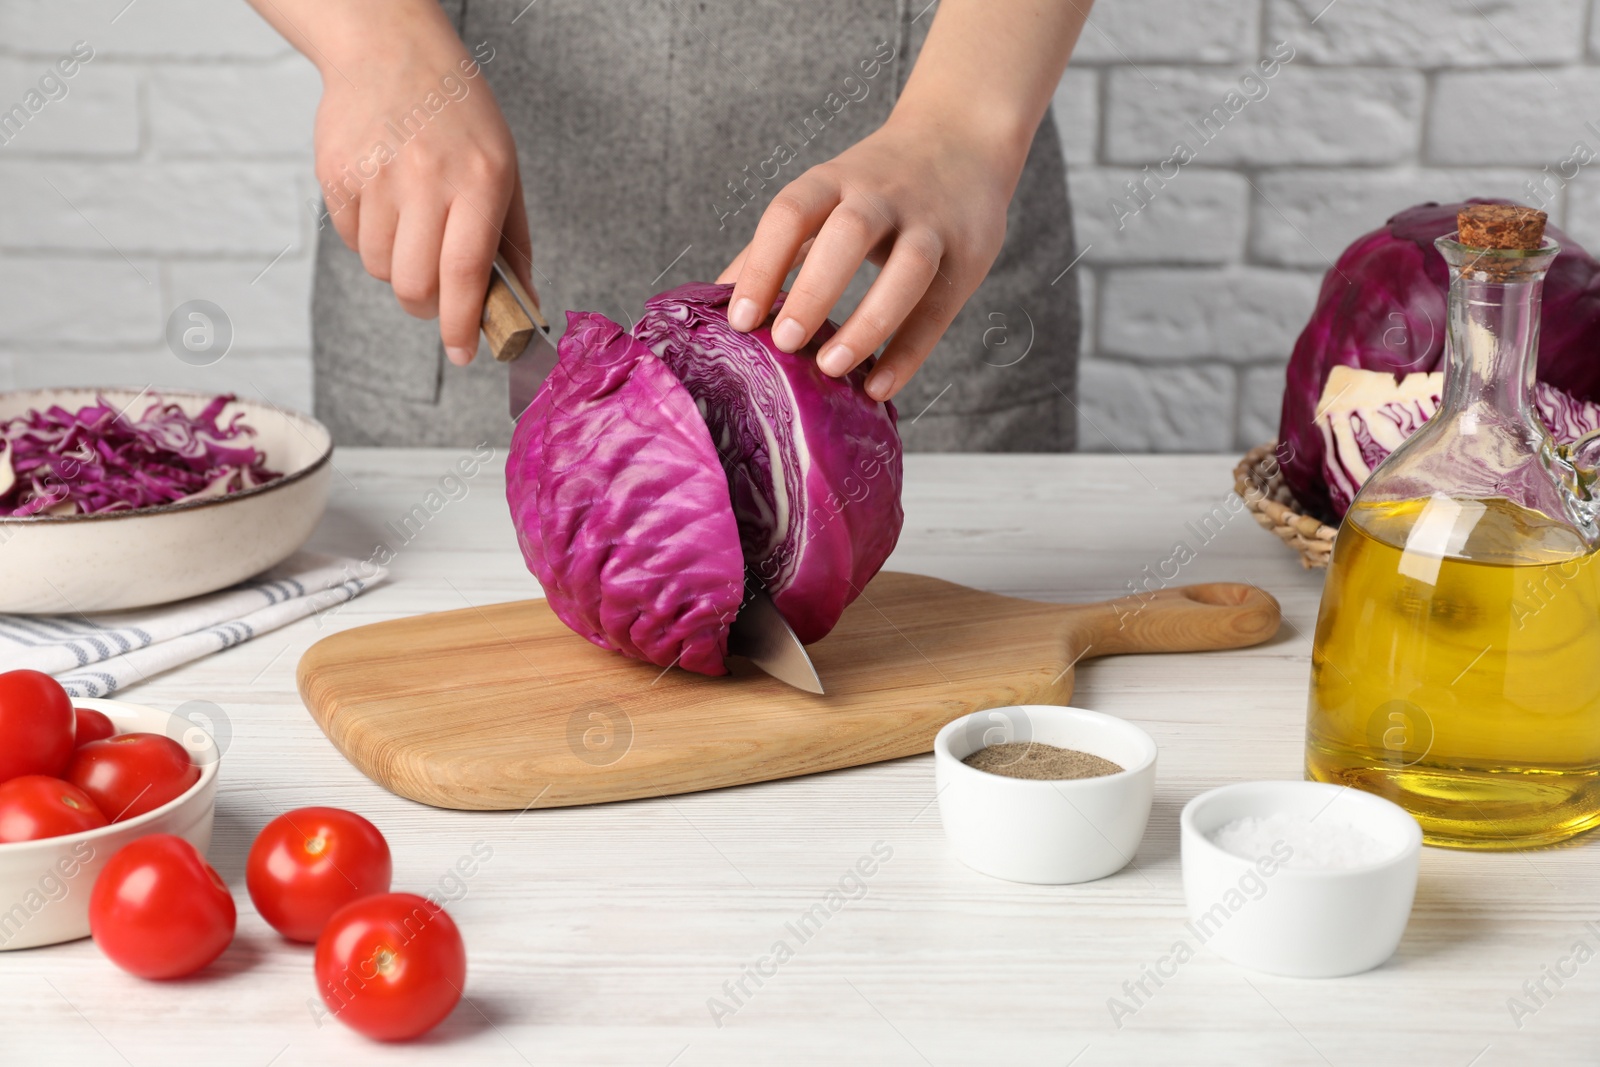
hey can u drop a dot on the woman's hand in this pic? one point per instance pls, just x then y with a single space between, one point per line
925 195
927 205
418 169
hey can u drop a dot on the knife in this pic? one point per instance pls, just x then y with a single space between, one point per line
518 334
762 635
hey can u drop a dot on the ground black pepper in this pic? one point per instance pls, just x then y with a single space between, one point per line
1034 759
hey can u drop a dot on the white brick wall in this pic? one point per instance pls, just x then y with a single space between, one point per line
1387 103
175 167
178 164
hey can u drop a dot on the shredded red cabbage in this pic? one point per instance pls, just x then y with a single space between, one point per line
96 459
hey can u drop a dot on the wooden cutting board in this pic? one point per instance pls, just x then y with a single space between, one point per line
503 707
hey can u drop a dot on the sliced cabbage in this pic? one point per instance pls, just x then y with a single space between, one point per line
1363 415
1382 308
97 459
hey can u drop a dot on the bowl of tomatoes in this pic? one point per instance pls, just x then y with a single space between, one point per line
79 779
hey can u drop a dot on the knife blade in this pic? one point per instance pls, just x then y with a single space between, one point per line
517 334
761 635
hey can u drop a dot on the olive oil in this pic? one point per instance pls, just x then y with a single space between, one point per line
1456 670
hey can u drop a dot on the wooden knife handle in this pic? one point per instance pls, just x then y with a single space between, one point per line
510 314
1187 618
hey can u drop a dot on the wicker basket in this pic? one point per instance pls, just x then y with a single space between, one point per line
1259 482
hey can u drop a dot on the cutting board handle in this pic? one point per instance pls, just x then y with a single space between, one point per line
1187 618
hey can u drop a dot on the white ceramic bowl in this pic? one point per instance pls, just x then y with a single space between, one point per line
1045 832
1305 923
131 559
44 885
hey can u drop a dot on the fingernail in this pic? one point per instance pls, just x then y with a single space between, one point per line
459 356
880 383
788 335
744 315
836 361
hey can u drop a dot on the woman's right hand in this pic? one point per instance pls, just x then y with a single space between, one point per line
415 161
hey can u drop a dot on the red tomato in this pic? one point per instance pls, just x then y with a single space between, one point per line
131 774
37 805
36 725
158 910
391 966
93 726
309 863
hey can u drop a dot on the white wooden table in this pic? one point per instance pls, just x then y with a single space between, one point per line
599 935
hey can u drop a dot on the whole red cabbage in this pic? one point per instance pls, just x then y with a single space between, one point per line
620 504
652 473
1382 307
99 459
813 463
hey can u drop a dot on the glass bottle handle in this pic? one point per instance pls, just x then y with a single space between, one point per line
1583 458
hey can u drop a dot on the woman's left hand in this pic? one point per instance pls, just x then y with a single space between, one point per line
926 205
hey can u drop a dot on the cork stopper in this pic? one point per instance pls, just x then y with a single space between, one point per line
1502 226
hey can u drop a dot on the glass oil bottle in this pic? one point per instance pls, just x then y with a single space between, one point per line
1456 665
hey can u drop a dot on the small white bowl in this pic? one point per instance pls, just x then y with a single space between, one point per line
132 559
1043 831
45 884
1304 923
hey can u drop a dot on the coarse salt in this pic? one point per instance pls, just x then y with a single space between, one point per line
1314 844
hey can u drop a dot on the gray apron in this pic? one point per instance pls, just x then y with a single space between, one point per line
648 133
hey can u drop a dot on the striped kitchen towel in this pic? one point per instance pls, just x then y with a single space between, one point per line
95 655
